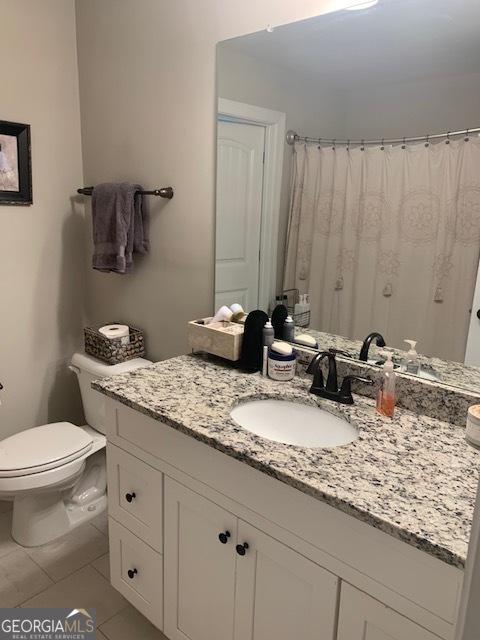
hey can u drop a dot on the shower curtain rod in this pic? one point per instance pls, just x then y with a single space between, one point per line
292 137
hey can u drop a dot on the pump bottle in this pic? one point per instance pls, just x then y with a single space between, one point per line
386 393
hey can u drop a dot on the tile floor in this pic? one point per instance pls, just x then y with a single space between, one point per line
71 572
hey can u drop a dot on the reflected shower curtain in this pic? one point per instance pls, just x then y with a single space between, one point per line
388 240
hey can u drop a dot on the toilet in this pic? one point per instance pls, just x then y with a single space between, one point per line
56 473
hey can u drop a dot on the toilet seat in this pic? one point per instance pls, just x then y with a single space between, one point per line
42 448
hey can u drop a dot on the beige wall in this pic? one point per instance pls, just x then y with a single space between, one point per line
432 105
41 260
147 88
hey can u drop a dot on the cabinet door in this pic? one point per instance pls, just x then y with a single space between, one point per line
364 618
199 568
280 594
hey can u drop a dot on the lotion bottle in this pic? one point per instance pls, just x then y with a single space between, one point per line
386 393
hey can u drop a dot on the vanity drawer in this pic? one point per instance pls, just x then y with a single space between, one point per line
135 495
136 571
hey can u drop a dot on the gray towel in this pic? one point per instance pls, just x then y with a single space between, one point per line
120 226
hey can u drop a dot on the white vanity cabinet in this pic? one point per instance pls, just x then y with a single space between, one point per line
226 579
281 594
199 569
364 618
307 571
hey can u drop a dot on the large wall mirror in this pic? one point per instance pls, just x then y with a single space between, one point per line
370 205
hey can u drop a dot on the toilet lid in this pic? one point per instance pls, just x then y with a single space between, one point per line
42 448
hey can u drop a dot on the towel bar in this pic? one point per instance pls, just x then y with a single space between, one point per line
164 192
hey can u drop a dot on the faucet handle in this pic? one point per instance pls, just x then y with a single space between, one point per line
345 392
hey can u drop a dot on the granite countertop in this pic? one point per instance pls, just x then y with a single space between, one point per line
446 372
414 478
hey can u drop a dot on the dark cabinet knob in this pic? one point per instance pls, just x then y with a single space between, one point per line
242 548
130 496
132 573
478 314
224 536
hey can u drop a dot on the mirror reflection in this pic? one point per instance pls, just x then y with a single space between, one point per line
365 217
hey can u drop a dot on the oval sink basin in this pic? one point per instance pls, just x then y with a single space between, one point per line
293 423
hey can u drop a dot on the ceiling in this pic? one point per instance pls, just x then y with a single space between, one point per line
394 41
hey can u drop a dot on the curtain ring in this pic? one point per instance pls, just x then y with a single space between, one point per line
319 143
382 148
334 144
447 141
427 144
466 139
404 145
348 145
362 148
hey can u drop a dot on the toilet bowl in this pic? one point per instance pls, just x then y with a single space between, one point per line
56 473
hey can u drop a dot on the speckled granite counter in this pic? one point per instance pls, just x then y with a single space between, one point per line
445 372
414 477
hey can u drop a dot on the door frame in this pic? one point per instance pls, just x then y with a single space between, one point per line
275 125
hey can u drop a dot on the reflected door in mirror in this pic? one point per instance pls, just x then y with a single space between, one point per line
240 152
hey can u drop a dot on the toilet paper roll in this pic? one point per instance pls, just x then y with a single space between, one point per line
112 331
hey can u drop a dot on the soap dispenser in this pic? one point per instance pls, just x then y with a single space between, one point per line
411 361
386 393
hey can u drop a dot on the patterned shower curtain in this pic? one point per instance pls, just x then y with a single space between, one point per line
388 239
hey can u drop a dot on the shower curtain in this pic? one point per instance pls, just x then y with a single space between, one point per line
388 239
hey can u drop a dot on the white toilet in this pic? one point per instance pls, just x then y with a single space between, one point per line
55 474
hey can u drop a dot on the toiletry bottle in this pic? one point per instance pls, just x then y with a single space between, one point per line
299 306
268 334
306 306
289 329
386 393
411 361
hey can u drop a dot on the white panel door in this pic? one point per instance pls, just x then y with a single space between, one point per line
280 594
472 353
240 154
199 568
364 618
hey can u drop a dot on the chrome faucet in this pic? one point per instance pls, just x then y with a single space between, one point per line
380 342
330 390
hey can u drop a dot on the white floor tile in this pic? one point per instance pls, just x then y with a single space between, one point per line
75 550
129 624
102 564
20 578
83 589
101 522
7 544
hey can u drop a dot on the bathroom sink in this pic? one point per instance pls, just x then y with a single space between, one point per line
293 423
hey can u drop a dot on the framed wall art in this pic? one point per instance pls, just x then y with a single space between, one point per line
15 164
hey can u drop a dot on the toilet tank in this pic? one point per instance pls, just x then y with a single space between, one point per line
88 369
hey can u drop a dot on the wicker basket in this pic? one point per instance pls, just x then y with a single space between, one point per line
114 350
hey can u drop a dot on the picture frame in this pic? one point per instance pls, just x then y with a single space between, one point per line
15 164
